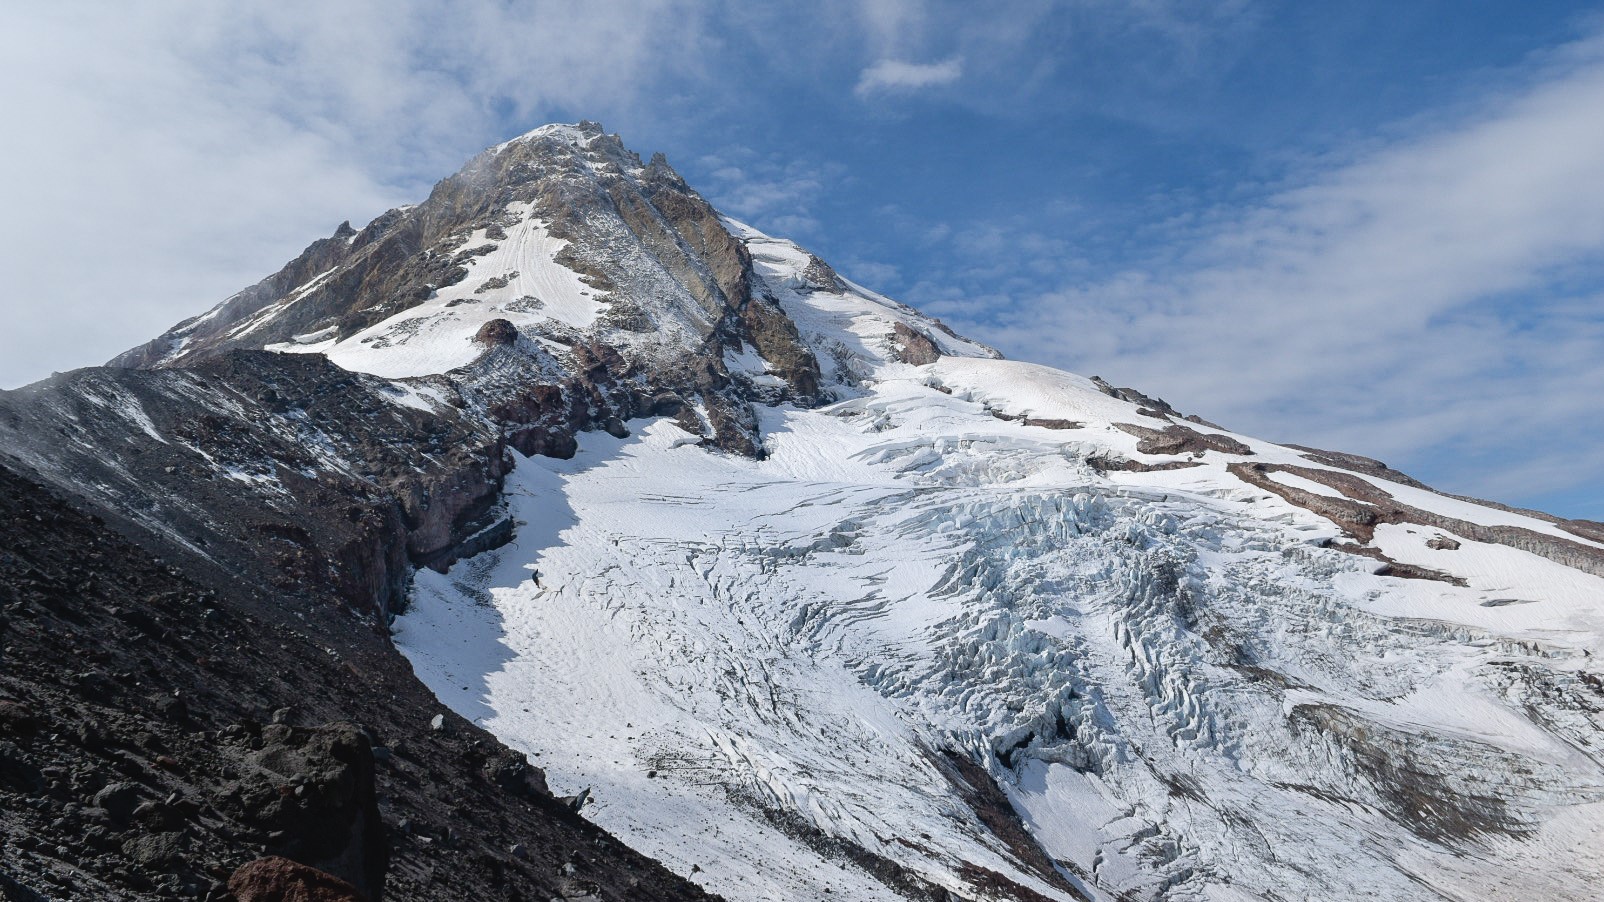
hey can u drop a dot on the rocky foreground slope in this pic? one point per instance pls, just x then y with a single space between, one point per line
176 710
818 599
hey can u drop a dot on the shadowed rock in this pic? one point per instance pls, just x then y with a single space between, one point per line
314 790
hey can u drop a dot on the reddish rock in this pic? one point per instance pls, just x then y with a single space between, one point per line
274 879
1053 423
497 332
1178 439
913 347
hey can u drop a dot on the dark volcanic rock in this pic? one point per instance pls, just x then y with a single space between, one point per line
679 288
1366 506
1358 464
1147 404
1103 464
1050 423
1390 567
1586 529
103 797
314 788
820 276
119 800
343 487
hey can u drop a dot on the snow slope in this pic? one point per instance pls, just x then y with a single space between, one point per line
773 673
516 278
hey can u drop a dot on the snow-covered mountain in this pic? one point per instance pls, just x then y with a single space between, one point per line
821 600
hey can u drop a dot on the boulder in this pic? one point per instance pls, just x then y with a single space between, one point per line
120 801
497 332
274 879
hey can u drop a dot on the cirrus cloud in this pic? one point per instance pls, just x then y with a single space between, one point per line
1434 299
889 75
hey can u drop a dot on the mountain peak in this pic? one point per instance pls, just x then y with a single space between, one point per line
567 238
576 133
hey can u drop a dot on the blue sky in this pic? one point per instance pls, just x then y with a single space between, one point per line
1370 226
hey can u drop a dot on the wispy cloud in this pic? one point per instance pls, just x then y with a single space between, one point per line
1423 299
775 194
896 75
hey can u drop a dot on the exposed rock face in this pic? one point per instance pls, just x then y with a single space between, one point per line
1105 463
283 467
497 332
1390 567
820 276
1178 439
1365 506
314 788
1150 406
1358 464
319 257
1586 529
913 347
1052 423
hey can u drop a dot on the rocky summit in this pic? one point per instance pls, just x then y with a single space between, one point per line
559 537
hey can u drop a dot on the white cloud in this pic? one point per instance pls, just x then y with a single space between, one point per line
895 75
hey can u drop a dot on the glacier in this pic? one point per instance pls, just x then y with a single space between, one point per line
957 632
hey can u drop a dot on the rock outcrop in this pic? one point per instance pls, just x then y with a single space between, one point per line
1178 439
1364 506
912 346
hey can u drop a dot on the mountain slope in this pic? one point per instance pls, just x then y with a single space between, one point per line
1171 648
162 726
824 601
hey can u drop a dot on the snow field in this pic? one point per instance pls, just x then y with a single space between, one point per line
1182 695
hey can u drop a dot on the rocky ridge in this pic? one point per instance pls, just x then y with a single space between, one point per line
672 289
